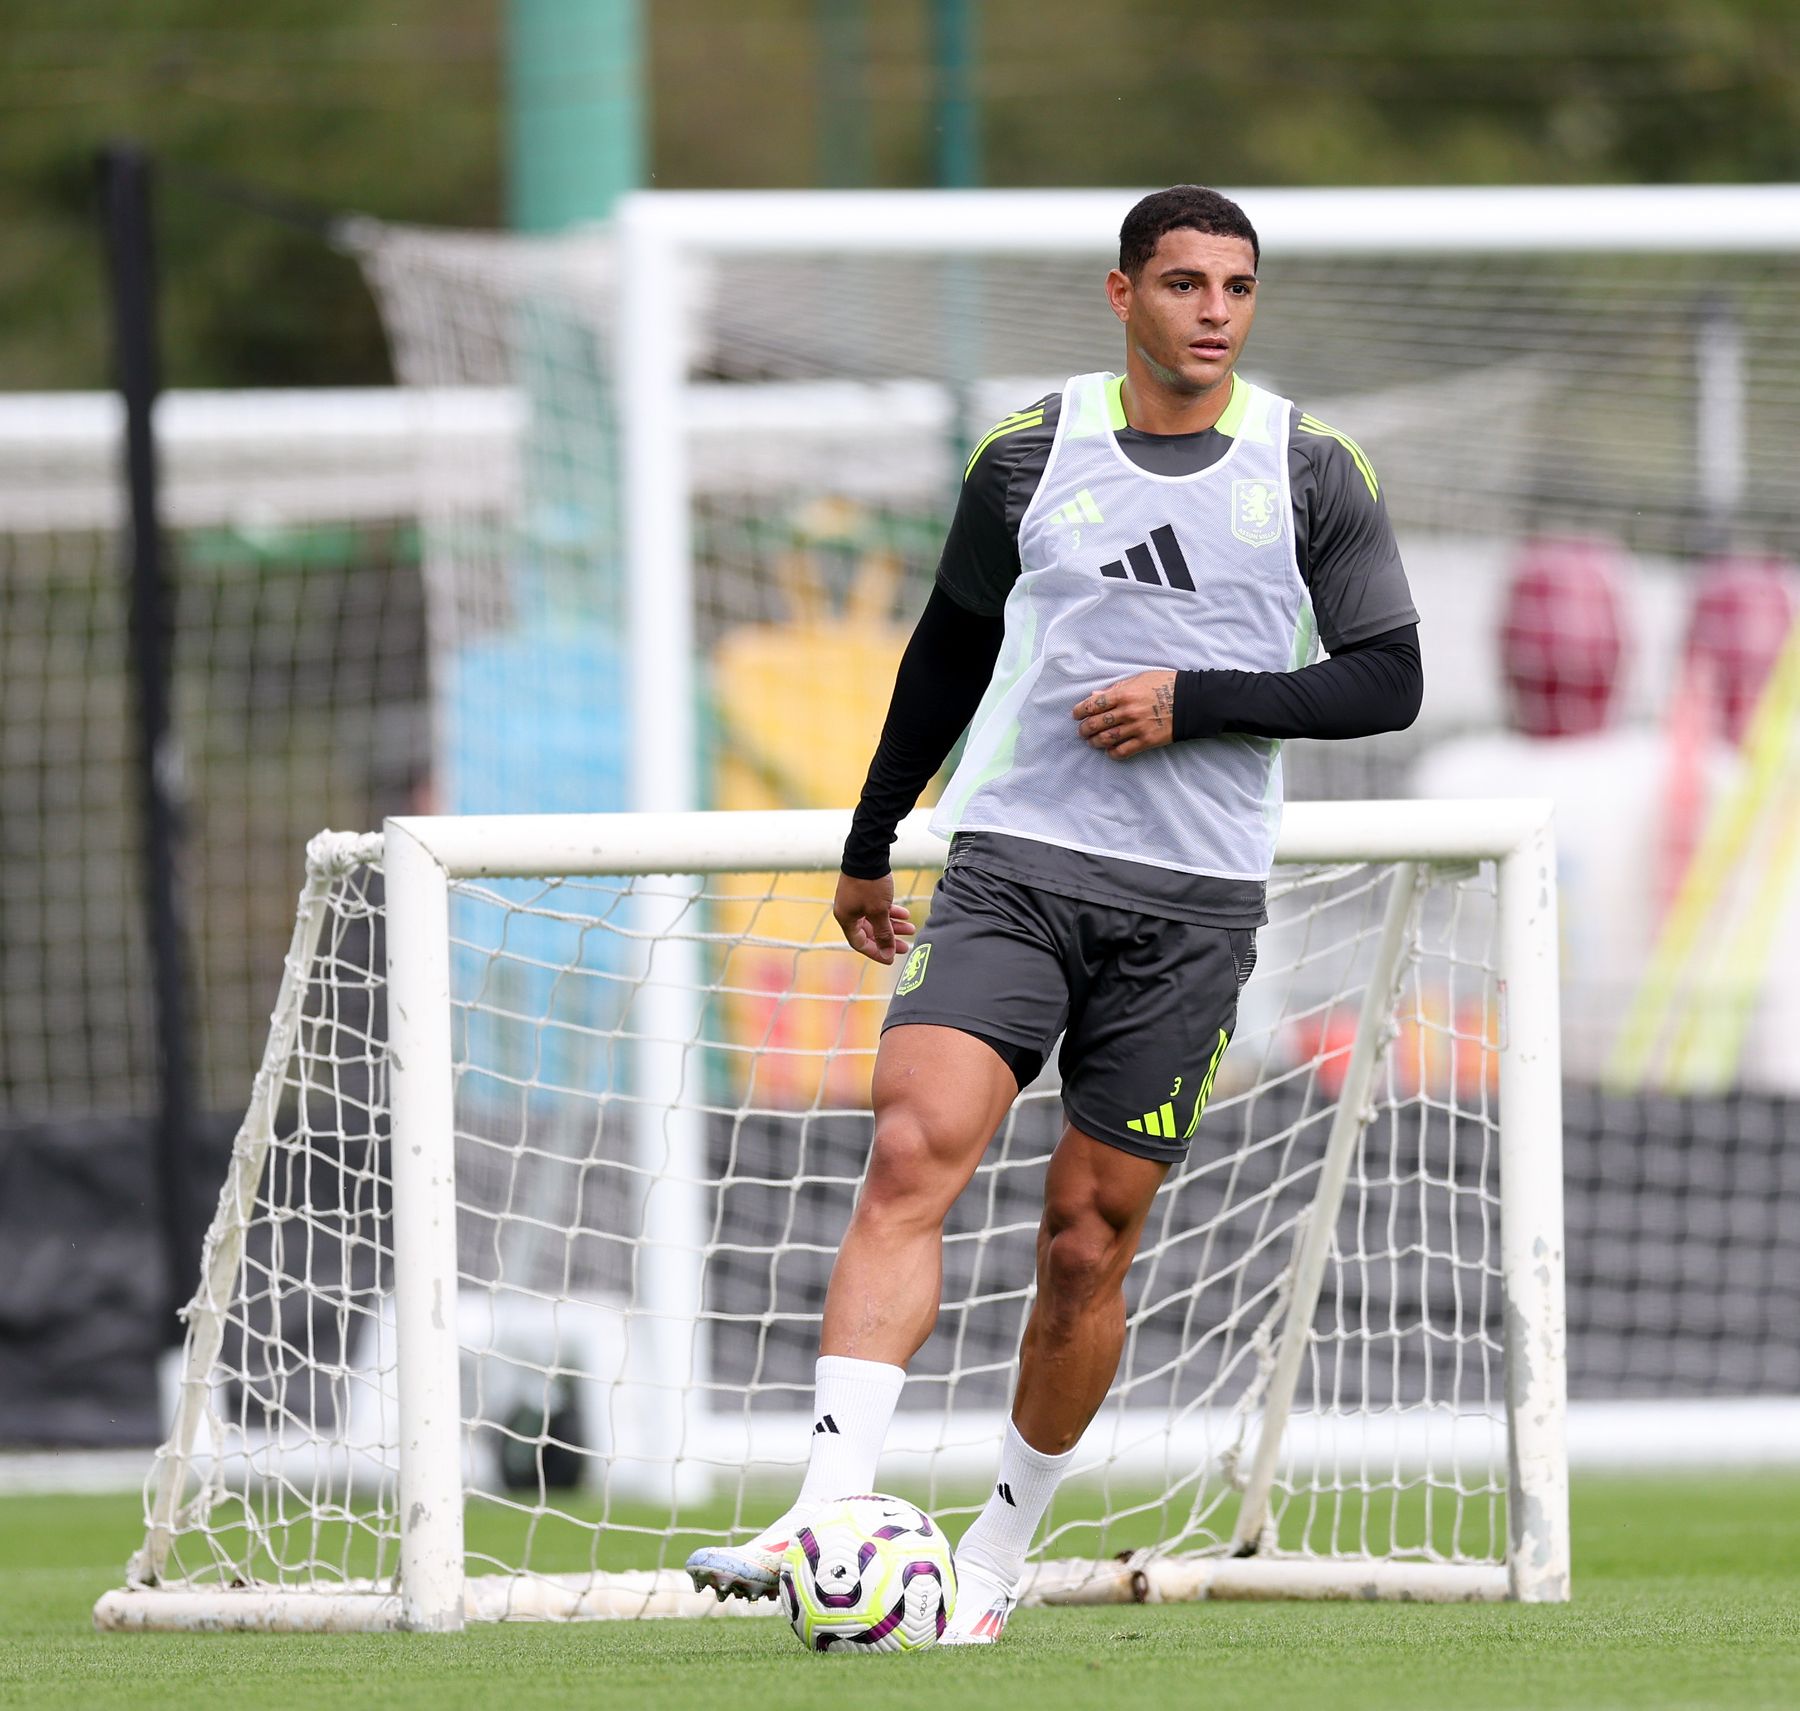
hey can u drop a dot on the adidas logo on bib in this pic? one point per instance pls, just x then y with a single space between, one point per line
1144 563
1080 509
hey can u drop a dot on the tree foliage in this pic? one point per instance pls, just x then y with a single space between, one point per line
391 107
394 108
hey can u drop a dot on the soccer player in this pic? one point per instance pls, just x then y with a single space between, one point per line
1132 577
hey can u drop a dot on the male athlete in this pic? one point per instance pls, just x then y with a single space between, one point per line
1132 576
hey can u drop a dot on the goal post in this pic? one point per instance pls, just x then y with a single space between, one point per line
422 1148
587 1241
663 242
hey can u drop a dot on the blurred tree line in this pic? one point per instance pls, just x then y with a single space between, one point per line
392 107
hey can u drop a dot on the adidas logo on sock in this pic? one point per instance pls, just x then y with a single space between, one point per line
1005 1491
826 1425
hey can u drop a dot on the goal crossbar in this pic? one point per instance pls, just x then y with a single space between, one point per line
486 846
1468 219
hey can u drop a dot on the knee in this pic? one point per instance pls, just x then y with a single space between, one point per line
1081 1263
905 1177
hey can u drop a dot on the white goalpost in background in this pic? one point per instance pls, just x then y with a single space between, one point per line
661 236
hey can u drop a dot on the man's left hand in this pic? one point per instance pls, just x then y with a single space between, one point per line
1131 716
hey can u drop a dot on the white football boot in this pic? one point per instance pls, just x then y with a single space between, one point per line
748 1570
982 1607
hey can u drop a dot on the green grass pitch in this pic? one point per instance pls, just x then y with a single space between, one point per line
1687 1593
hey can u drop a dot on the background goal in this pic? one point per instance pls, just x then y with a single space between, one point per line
417 599
739 422
527 1228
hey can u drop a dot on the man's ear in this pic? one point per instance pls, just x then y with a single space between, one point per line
1118 293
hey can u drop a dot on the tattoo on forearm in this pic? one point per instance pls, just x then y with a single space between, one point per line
1163 703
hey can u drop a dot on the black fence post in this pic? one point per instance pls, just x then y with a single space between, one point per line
125 176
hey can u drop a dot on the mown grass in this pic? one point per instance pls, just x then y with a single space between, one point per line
1687 1595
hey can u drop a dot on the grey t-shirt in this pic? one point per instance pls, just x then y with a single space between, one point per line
1347 556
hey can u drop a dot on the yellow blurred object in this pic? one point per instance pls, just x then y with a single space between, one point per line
1684 1031
800 707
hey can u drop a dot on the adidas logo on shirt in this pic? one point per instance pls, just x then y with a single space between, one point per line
1144 563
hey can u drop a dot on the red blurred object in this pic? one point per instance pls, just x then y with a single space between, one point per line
1436 1053
1691 728
1744 606
1562 636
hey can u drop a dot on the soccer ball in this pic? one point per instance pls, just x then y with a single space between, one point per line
868 1574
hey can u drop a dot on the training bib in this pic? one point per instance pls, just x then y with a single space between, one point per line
1123 571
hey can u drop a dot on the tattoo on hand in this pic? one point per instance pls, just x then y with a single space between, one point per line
1163 703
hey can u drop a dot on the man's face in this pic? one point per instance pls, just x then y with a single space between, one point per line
1189 311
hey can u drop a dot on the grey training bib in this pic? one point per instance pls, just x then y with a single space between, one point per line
1123 571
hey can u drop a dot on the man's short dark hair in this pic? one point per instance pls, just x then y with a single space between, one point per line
1188 206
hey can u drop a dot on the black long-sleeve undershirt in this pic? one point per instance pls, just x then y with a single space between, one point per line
1373 686
942 677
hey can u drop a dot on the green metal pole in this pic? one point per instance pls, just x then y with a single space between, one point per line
846 161
956 110
574 137
956 133
575 109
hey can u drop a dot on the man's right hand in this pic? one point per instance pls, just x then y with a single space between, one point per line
872 921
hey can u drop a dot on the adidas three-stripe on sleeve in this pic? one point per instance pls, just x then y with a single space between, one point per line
1342 537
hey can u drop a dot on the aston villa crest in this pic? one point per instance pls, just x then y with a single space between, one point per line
1256 512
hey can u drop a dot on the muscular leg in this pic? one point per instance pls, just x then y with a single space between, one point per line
939 1095
1096 1199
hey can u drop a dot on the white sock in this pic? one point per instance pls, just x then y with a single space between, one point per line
994 1547
853 1403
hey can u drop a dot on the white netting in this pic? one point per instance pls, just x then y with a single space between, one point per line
831 399
1646 396
1647 399
298 662
602 1434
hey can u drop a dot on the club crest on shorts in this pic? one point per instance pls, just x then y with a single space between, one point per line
912 975
1256 512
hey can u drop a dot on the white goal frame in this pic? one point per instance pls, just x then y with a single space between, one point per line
423 857
657 233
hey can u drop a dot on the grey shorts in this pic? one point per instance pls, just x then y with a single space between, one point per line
1145 1005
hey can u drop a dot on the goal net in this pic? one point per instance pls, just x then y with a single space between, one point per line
738 426
297 661
513 1291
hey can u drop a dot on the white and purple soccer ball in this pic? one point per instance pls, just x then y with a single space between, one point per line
868 1574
